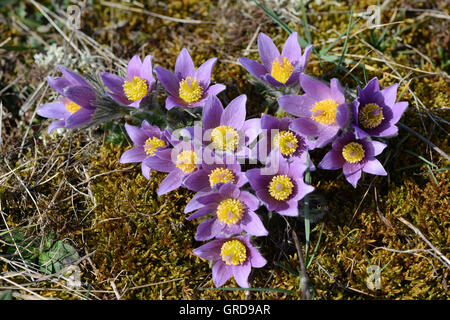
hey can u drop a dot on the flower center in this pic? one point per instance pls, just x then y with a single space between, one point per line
190 90
233 252
281 70
324 111
370 116
286 142
72 107
230 211
353 152
152 143
186 161
225 138
135 89
281 187
219 175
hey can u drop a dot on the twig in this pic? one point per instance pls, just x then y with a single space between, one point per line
443 258
306 295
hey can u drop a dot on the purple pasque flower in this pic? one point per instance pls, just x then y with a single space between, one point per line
232 257
278 69
232 211
322 110
225 131
280 184
277 135
75 108
376 112
180 161
188 87
135 86
148 140
354 156
215 170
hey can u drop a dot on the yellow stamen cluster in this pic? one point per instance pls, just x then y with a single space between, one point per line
225 138
353 152
152 143
286 142
135 89
72 107
233 252
230 211
281 70
370 116
324 111
281 187
186 161
190 90
219 175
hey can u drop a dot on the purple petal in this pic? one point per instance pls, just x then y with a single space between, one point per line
146 70
337 91
171 182
303 190
378 147
168 80
253 225
220 273
306 126
215 89
255 68
55 125
210 250
241 273
159 164
297 105
83 96
289 208
373 166
389 131
212 111
256 259
314 88
198 181
305 56
135 154
250 200
136 134
184 66
390 94
351 174
53 110
203 74
72 77
342 115
267 51
134 67
234 113
257 181
79 118
112 82
58 84
291 49
332 161
207 209
397 110
204 230
171 102
193 204
145 171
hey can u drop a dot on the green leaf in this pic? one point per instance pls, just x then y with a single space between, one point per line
6 295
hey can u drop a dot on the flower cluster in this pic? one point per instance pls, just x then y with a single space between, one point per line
207 157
